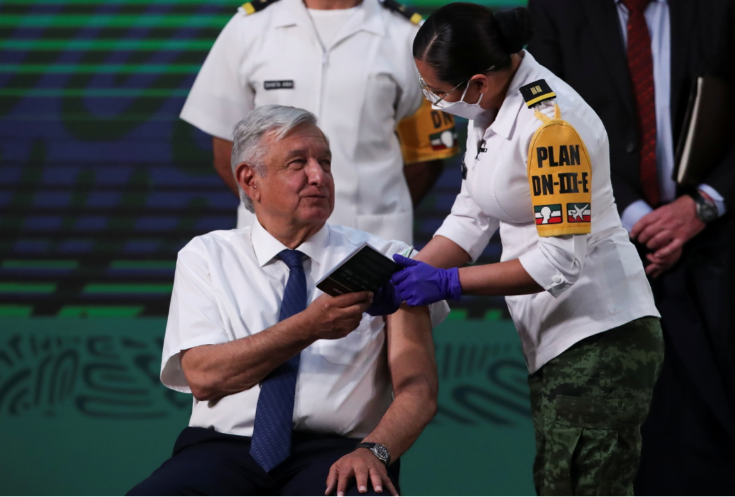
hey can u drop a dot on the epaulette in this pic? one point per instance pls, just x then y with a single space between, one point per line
407 12
536 92
256 6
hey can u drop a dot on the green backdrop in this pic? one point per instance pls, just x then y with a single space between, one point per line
100 185
82 411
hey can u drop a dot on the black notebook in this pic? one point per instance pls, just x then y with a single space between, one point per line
707 132
364 270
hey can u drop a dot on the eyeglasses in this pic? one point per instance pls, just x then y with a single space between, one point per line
433 98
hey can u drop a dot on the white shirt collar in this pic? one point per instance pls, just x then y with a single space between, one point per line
508 112
291 12
267 247
294 12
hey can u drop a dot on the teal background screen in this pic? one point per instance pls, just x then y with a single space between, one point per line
100 185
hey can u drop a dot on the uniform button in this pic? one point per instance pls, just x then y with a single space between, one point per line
556 279
630 147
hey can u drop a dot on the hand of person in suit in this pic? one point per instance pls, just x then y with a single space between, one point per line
665 231
360 465
659 265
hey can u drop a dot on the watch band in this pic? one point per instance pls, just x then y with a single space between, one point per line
378 450
706 209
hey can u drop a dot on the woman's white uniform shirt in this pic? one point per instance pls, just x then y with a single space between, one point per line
593 282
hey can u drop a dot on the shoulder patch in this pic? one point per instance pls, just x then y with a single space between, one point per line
427 135
560 178
407 12
536 92
256 6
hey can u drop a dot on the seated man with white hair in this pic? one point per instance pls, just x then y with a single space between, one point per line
287 381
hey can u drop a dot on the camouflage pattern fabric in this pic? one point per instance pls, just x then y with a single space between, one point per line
588 406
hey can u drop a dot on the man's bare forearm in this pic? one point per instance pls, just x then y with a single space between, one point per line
214 371
222 150
415 382
405 419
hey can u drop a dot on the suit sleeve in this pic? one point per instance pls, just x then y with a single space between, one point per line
625 194
544 45
722 177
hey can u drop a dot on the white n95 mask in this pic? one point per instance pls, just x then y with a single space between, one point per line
461 108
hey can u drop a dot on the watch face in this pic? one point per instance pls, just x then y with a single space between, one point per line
381 452
707 212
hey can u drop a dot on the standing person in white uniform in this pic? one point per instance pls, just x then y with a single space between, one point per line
537 168
349 62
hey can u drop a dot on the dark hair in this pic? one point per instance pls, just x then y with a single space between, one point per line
463 39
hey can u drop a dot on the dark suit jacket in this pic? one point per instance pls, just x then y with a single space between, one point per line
581 41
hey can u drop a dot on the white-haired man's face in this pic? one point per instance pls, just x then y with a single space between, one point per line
298 188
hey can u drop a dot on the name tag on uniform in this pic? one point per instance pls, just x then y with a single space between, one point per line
278 85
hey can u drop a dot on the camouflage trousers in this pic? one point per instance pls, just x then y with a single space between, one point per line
588 406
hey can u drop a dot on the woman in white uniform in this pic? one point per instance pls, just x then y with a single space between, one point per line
537 167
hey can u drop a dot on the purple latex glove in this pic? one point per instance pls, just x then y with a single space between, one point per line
385 301
419 283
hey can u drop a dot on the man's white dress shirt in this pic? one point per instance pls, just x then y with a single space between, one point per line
230 285
593 282
659 28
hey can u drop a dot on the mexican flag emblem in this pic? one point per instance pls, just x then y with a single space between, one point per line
579 213
548 214
443 140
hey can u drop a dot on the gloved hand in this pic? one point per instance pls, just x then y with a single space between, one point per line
419 283
385 301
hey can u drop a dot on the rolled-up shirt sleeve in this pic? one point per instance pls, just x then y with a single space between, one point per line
194 318
556 262
468 226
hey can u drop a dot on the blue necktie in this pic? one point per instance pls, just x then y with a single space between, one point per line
271 442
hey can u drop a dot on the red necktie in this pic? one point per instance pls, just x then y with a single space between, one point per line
640 66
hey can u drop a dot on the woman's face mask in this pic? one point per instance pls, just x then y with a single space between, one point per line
459 108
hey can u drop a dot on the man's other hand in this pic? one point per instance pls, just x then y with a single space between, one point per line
332 318
665 231
360 465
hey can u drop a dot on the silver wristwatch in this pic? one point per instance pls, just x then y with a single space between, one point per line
706 209
379 451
